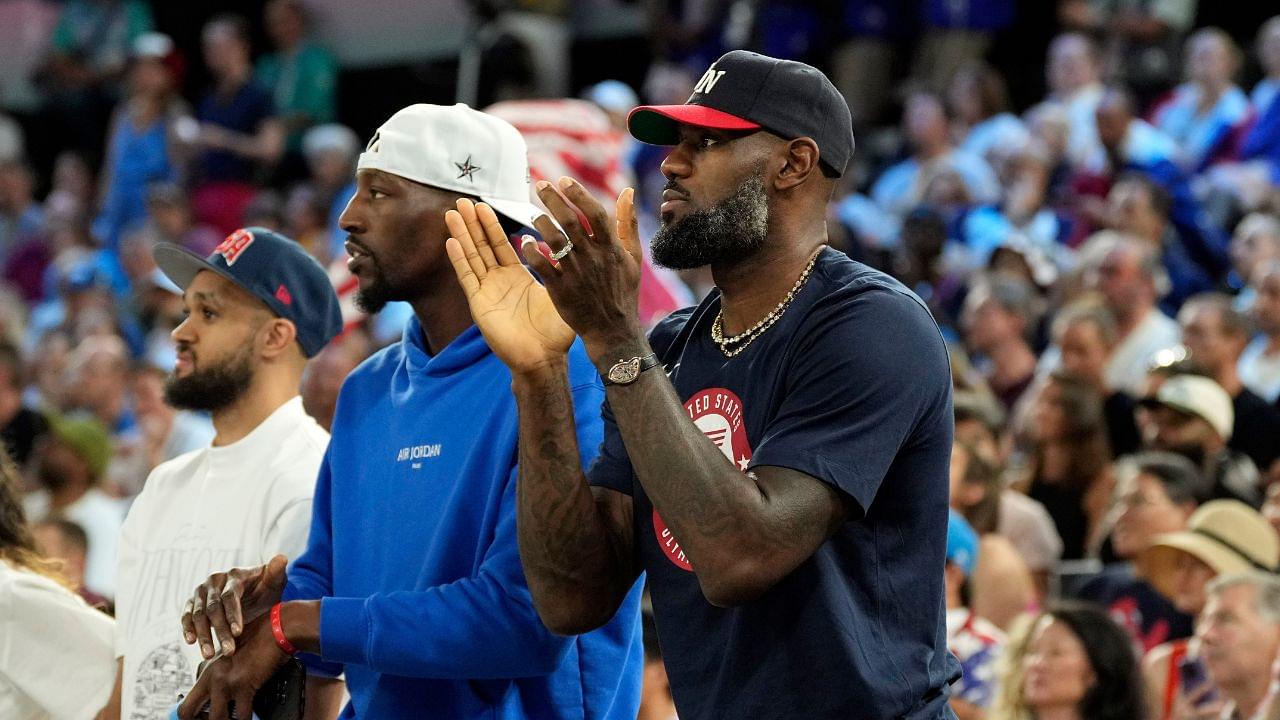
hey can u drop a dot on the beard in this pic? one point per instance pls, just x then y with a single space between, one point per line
726 233
372 299
214 388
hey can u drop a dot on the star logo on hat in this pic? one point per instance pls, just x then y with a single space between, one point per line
467 170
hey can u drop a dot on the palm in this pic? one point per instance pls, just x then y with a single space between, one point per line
517 317
513 311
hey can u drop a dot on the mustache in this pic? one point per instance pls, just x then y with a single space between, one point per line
675 186
354 241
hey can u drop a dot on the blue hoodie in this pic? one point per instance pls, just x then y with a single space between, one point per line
413 550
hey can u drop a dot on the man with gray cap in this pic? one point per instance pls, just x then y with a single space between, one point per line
411 583
256 309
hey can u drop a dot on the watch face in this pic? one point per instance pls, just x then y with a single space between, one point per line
625 372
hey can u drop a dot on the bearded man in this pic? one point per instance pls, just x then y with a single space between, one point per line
256 310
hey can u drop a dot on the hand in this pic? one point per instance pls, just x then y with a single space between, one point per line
513 311
1189 707
226 601
234 680
596 287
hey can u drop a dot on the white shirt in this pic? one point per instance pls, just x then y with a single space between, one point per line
1259 371
1127 369
204 512
101 516
56 654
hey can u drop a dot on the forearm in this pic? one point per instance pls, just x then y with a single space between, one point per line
716 511
577 568
324 698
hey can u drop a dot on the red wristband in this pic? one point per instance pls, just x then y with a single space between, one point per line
277 631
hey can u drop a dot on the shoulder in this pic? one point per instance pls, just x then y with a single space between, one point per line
665 332
167 472
861 299
377 367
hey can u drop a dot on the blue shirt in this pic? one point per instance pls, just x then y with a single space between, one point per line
137 157
413 550
851 386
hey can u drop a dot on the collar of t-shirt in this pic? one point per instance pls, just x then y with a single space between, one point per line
263 442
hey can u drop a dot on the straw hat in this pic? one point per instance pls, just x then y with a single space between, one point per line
1227 535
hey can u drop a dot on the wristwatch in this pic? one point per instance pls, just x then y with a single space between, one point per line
625 372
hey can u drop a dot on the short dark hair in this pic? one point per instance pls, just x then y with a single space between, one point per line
1233 321
1182 481
72 533
1161 200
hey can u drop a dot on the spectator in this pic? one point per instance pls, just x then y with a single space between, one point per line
956 33
1255 242
1068 471
1140 208
69 463
167 432
1127 280
325 374
902 186
1144 38
242 350
998 319
141 147
87 57
1085 333
1156 496
1268 49
1259 366
1074 74
238 135
862 63
330 152
301 76
997 512
20 426
20 215
974 641
1024 218
1078 665
979 102
99 385
1222 537
306 217
1239 632
1215 334
170 220
1192 416
55 651
1205 114
1003 586
65 542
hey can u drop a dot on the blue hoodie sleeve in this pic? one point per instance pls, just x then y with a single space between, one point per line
310 574
480 627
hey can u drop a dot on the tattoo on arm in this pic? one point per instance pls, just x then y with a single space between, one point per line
576 555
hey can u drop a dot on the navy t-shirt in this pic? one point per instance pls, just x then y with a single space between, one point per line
851 386
242 112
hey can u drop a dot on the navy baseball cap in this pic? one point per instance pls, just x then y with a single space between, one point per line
272 268
748 91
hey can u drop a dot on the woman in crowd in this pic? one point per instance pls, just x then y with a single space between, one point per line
57 654
1069 468
1074 663
1223 537
140 146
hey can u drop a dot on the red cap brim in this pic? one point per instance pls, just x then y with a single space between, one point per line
660 124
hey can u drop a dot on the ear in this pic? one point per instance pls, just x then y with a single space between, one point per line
278 336
800 158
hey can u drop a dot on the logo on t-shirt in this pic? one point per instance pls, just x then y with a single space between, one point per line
718 414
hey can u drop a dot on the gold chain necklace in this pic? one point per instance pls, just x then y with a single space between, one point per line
745 338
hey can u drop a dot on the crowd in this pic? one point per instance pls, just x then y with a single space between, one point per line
1104 262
